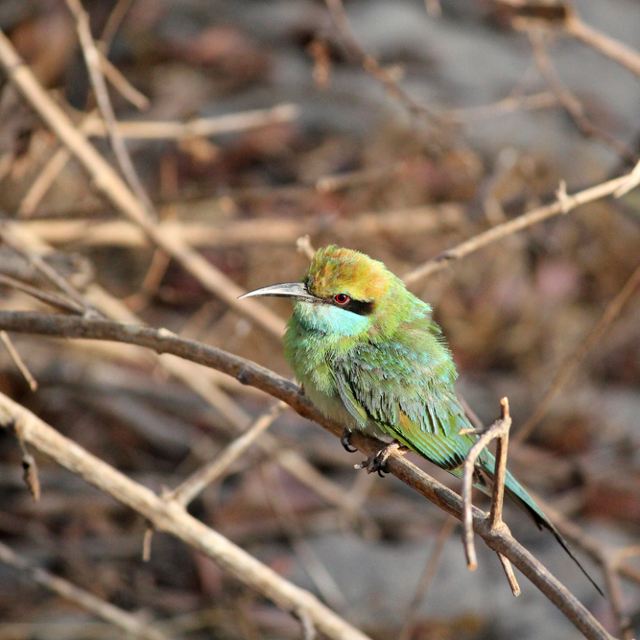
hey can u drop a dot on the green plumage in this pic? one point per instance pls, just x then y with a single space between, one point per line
370 356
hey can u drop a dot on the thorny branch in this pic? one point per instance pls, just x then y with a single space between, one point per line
155 508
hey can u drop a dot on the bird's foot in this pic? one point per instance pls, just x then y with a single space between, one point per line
345 441
377 463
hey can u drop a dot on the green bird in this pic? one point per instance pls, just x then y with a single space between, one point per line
370 356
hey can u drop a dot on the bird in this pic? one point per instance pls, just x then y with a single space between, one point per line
370 356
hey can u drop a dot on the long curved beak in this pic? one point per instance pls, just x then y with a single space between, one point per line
285 290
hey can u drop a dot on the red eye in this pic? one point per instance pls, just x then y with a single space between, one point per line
341 299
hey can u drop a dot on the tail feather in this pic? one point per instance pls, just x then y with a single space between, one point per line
519 496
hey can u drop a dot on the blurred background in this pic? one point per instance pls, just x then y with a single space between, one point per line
470 114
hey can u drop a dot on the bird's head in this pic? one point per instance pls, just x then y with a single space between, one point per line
344 293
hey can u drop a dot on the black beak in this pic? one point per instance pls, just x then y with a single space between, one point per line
285 290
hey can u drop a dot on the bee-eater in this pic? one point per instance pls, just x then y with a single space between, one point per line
369 356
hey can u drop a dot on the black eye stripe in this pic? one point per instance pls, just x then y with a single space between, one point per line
361 307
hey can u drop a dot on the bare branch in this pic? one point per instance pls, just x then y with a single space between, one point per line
109 183
18 361
500 231
170 517
94 61
499 539
498 431
214 470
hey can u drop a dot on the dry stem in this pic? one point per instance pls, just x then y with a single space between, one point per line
500 231
498 430
170 517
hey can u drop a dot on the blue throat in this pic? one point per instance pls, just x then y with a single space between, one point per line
330 320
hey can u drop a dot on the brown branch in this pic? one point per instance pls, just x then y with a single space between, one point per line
170 517
197 127
570 102
610 47
14 354
562 205
274 231
375 69
123 620
499 431
109 183
633 180
12 236
499 539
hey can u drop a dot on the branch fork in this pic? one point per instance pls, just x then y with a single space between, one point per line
499 431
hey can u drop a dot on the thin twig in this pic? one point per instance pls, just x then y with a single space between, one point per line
500 231
11 235
53 299
93 59
610 47
197 127
122 85
213 471
570 102
274 231
569 366
633 180
14 354
375 69
500 431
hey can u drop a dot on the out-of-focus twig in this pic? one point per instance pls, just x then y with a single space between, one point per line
211 472
610 47
570 102
93 59
633 180
12 236
274 231
197 127
14 354
563 17
563 375
53 299
376 70
127 622
109 183
122 85
510 104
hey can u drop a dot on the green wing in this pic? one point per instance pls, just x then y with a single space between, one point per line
407 392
